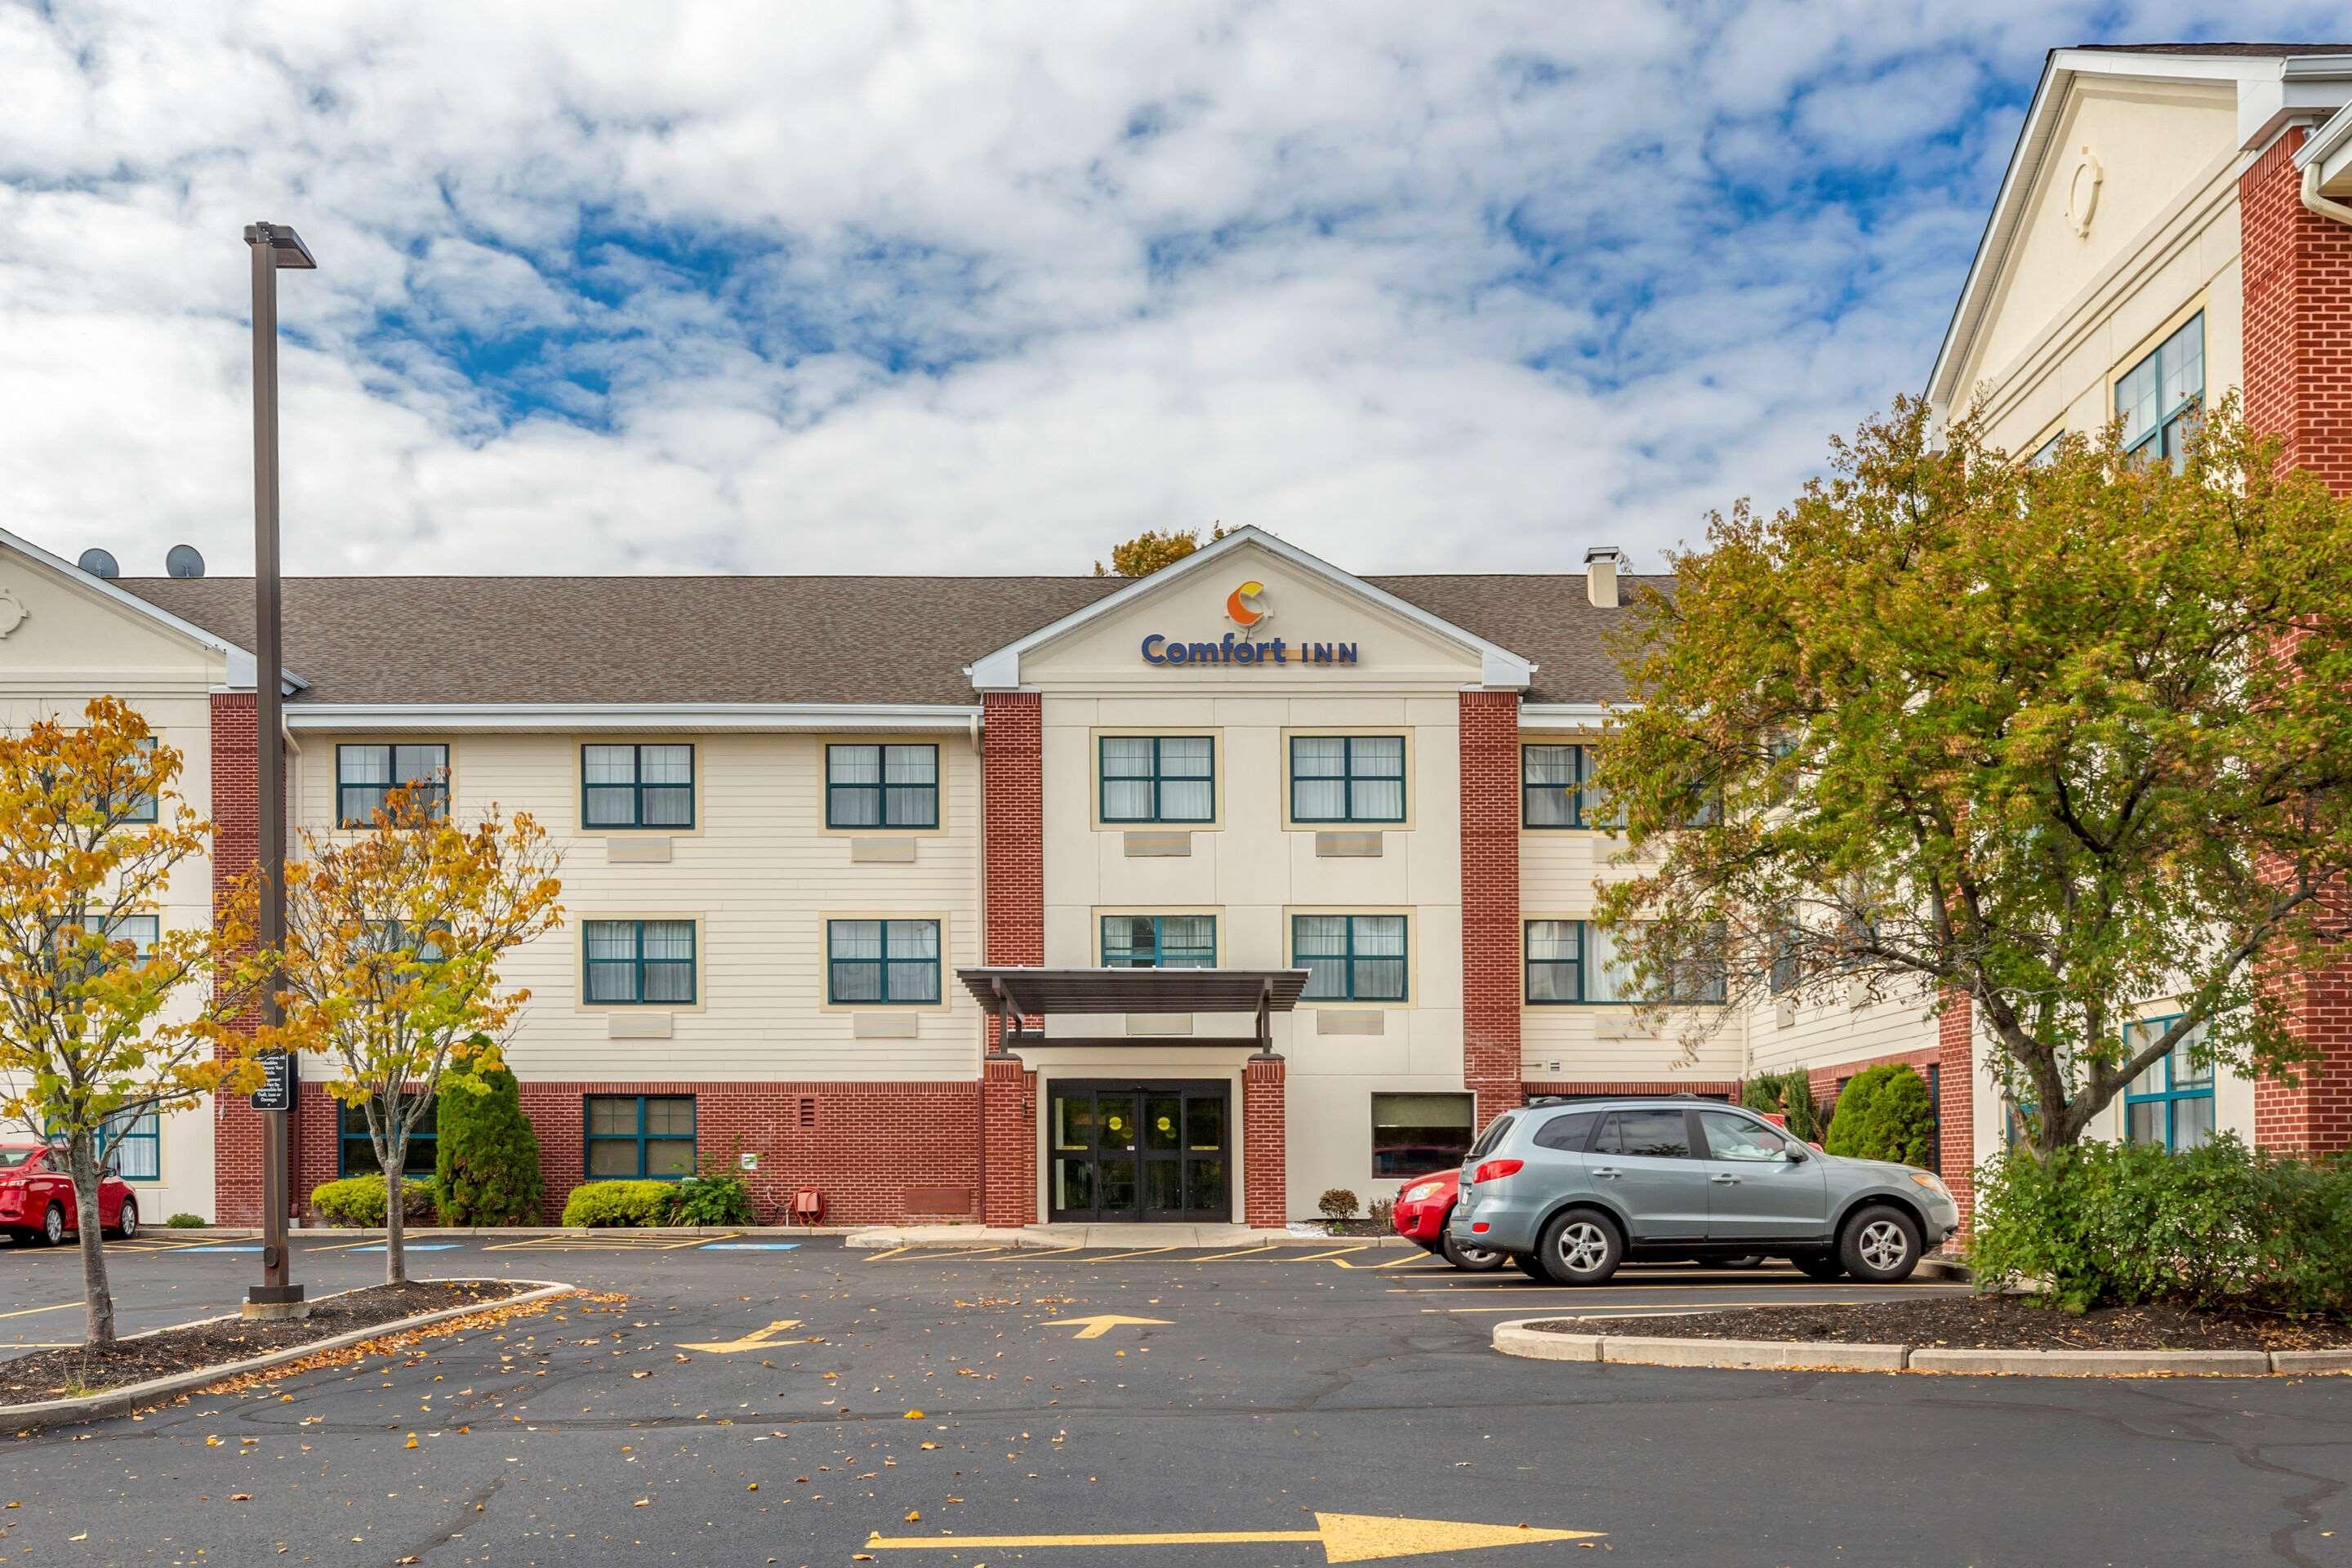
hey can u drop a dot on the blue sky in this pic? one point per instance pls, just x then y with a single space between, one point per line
959 288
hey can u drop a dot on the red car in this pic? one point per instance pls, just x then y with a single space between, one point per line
37 1197
1421 1213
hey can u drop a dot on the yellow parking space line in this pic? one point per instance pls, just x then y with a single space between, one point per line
31 1312
1050 1251
697 1241
40 1344
1244 1252
892 1253
1138 1252
944 1254
1334 1253
347 1246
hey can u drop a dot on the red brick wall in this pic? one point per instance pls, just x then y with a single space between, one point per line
1827 1081
1009 1126
237 829
1956 1108
1265 1142
1490 900
1013 776
2298 375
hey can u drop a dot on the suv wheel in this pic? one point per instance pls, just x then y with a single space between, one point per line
1525 1262
1818 1265
1579 1248
1471 1259
1880 1244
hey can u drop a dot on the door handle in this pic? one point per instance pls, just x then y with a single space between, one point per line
1724 1181
1606 1172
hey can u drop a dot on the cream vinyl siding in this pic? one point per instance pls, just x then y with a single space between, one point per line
758 874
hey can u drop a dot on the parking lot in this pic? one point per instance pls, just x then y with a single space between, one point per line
1144 1406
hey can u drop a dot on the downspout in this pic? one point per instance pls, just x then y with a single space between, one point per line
2314 202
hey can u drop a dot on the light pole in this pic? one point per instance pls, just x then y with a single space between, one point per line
273 246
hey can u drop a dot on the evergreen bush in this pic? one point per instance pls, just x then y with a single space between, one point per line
1884 1113
1788 1094
488 1163
608 1203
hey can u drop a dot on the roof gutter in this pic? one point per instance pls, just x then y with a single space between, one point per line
816 717
2312 155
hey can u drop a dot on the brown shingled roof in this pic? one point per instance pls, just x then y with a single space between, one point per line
767 639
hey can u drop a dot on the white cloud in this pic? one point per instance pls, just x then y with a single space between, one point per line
625 286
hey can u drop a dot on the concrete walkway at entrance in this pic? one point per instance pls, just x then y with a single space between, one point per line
1100 1236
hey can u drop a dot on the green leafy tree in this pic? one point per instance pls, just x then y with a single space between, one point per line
1150 551
2062 738
487 1166
1786 1094
1884 1113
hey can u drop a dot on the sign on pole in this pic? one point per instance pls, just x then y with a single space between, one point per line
277 1090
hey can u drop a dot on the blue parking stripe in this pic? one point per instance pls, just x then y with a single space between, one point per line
748 1246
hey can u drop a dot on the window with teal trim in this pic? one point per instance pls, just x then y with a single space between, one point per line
135 1137
882 787
2159 397
636 786
1346 778
1572 961
1559 787
2172 1103
1350 958
882 961
140 808
365 776
1158 941
1158 778
639 1137
631 962
356 1151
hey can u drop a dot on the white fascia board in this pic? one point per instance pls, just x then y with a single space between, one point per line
2330 148
807 717
241 663
1498 665
1574 715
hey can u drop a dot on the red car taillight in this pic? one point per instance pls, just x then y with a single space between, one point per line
1496 1169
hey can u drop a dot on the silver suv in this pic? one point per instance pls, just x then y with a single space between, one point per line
1570 1190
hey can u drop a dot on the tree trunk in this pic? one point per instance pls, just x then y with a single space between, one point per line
395 1216
97 1295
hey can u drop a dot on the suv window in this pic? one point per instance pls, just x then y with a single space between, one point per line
1658 1134
1496 1131
1570 1132
1733 1137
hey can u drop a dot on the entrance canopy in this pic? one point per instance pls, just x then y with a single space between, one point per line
1033 993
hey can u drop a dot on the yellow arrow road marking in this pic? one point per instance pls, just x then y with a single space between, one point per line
1344 1537
753 1341
1096 1327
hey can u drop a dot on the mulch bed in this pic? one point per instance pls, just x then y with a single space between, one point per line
54 1375
1986 1322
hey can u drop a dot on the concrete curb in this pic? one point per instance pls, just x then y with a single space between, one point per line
47 1413
444 1232
1517 1338
883 1237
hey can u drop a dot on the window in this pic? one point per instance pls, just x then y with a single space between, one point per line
1346 778
1350 958
1652 1135
1731 1136
366 777
635 1137
640 962
1158 941
2159 397
1158 778
141 807
2047 453
636 786
1569 1133
1787 969
1576 961
881 786
136 1136
77 963
1559 787
2172 1103
356 1151
1413 1135
1496 1131
883 961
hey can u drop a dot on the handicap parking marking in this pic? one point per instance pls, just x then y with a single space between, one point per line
751 1246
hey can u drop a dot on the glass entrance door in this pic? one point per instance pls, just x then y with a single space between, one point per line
1139 1151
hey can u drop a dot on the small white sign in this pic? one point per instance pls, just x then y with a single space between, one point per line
747 1161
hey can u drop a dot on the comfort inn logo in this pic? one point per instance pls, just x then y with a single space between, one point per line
1245 609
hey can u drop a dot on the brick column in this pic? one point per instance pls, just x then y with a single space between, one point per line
1490 900
2298 386
1955 1100
1266 1143
236 843
1012 773
1008 1131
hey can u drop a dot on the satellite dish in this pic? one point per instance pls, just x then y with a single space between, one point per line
184 560
99 563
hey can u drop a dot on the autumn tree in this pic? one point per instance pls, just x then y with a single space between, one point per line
106 1011
1150 551
390 969
2062 738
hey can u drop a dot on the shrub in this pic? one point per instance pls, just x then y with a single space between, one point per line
488 1163
187 1222
1788 1094
359 1200
1382 1213
1884 1113
2123 1224
602 1204
713 1199
1338 1202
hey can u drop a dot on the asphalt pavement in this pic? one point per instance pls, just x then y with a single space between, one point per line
1183 1406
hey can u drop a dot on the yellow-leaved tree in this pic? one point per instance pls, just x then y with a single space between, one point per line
90 832
394 933
1150 551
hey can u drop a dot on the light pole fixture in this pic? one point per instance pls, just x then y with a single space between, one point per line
273 246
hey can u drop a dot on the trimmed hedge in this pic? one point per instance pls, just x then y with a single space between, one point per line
359 1200
1885 1114
487 1159
603 1203
2124 1224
